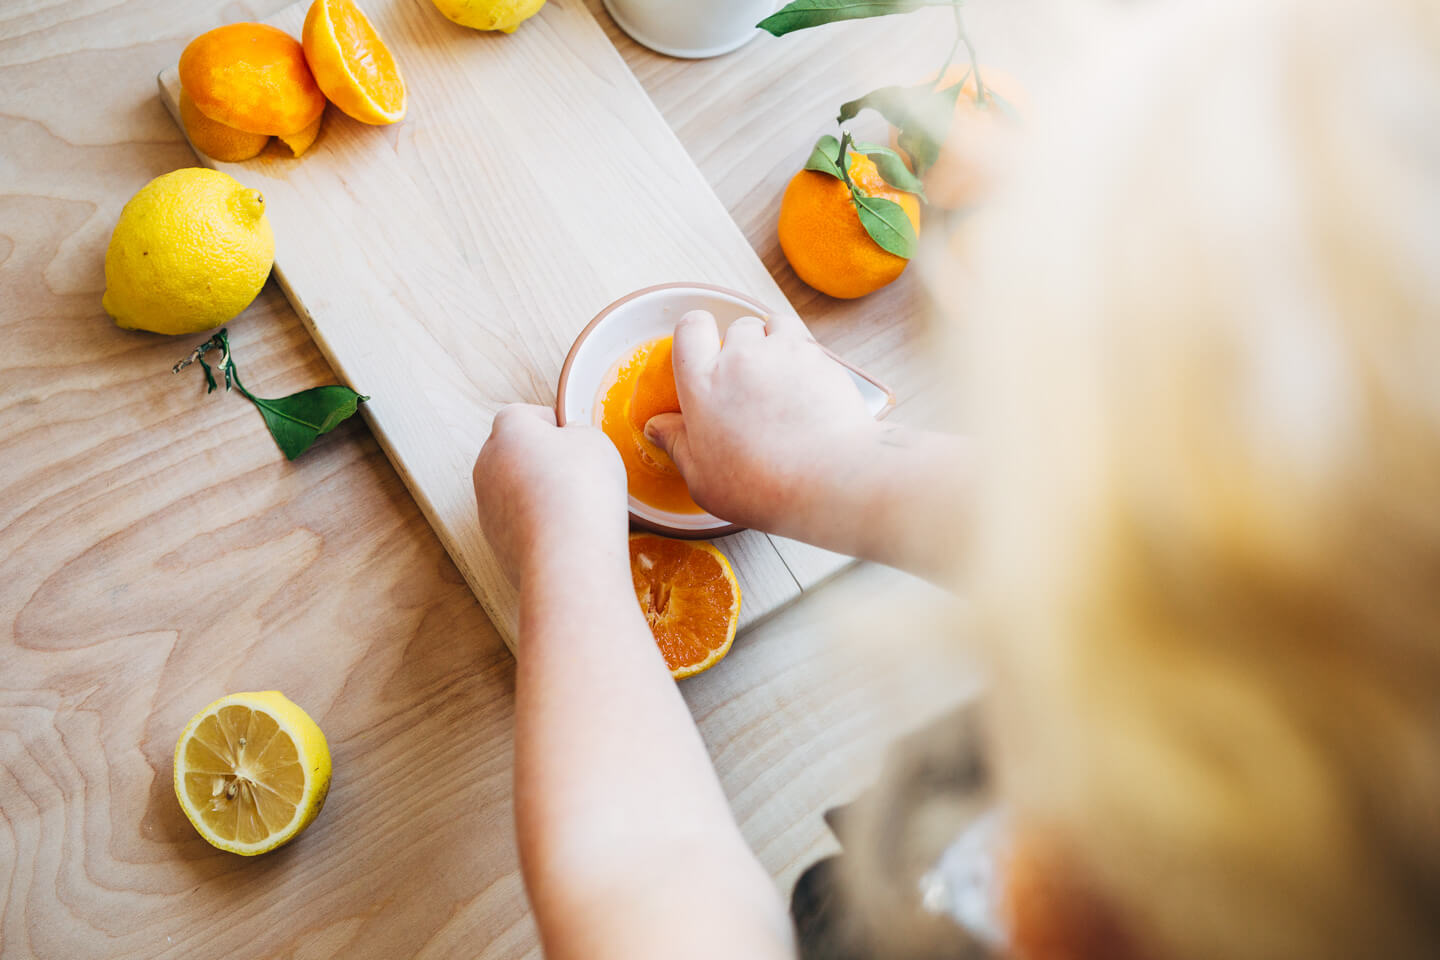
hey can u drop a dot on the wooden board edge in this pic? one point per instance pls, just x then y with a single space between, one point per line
168 82
811 566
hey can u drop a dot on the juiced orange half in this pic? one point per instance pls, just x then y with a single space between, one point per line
641 386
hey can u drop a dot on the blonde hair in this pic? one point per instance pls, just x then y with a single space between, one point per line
1206 361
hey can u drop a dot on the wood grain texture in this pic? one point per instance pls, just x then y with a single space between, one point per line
444 265
157 551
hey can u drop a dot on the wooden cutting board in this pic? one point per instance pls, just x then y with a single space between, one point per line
445 264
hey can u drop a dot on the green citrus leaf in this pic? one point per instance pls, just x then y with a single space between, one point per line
298 420
295 421
921 114
886 223
822 158
892 168
1005 106
800 14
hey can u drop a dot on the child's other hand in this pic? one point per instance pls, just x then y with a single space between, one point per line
548 491
766 418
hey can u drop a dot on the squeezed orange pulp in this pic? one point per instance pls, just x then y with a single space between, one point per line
641 386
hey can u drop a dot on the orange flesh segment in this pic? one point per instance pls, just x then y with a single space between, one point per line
641 386
271 782
689 597
369 59
351 62
655 391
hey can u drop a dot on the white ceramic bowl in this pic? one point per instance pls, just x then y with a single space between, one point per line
639 318
693 29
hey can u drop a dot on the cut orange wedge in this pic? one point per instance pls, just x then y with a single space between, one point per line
690 598
351 63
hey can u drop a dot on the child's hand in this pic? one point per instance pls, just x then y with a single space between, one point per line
767 417
548 491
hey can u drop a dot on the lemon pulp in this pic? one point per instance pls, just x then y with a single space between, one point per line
251 772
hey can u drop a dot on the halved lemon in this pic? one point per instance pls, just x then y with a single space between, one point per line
251 771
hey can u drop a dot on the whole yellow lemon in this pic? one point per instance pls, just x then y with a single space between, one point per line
191 250
502 15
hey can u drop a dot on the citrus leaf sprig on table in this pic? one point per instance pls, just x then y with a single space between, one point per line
801 14
296 421
884 220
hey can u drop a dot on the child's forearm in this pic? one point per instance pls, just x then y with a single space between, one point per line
912 512
893 496
626 838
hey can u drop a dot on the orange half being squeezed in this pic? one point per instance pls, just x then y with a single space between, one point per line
640 386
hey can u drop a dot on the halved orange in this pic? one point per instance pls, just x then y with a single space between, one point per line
641 386
252 77
302 140
214 139
351 63
690 598
655 386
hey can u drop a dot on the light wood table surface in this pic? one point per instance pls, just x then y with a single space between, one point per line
156 551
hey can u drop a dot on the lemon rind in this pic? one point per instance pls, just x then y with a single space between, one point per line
307 797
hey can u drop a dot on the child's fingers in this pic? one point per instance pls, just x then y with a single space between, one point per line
697 344
744 332
667 431
534 410
513 414
787 325
510 422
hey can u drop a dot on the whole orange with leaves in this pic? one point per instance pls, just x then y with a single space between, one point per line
980 140
822 236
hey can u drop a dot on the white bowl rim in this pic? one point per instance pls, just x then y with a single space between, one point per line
721 528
